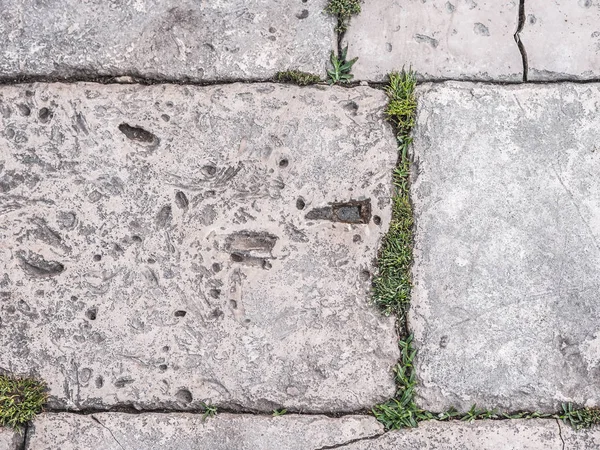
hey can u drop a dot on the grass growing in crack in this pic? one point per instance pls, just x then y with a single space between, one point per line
343 10
21 399
579 418
279 412
341 68
392 284
297 77
209 411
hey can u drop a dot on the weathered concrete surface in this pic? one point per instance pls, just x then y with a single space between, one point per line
562 39
156 249
10 439
585 439
507 251
439 39
479 435
114 431
177 40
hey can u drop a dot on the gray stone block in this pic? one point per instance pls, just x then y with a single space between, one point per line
584 439
158 248
479 435
439 39
157 39
562 39
507 250
10 439
116 431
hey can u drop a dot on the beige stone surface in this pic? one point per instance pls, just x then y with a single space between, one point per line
115 431
184 40
562 39
584 439
439 39
164 246
540 434
10 439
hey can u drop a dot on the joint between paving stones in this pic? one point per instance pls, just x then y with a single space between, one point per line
521 24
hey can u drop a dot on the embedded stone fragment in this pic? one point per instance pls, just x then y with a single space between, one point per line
562 39
438 39
156 249
183 40
506 199
176 431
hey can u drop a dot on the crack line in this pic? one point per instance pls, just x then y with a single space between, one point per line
520 26
352 441
107 429
560 433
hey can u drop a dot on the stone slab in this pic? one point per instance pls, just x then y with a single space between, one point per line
479 435
116 431
584 439
184 40
10 439
562 39
164 246
507 250
439 39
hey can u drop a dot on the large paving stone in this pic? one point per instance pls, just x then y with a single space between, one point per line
507 251
479 435
158 39
440 39
115 431
10 439
164 245
562 39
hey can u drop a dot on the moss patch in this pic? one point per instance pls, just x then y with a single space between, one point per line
21 399
297 77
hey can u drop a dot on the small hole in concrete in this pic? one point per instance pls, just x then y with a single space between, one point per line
210 170
365 275
266 264
99 382
151 260
377 220
236 257
162 367
180 313
136 238
283 163
97 257
45 115
300 203
91 313
166 348
216 267
183 395
356 238
233 304
215 293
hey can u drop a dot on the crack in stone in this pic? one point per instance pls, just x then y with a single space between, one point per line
23 445
520 44
560 433
352 441
107 429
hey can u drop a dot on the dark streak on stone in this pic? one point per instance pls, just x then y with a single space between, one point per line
37 266
138 134
353 211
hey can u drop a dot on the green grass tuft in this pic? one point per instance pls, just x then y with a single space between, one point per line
343 10
209 411
297 77
340 73
580 418
392 284
21 399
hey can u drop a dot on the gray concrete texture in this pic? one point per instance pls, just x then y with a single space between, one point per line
506 194
117 431
10 439
174 40
439 39
562 39
164 246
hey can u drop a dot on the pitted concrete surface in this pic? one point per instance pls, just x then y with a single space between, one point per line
562 39
115 431
507 246
439 39
480 435
174 40
10 439
164 246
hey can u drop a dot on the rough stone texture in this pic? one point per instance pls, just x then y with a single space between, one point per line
440 39
9 439
115 431
479 435
585 439
562 39
158 39
156 249
507 250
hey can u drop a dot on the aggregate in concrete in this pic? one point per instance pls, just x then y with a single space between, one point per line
439 39
506 194
184 40
117 431
10 439
164 246
562 39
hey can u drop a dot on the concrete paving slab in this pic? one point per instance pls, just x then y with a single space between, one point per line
584 439
507 250
116 431
182 40
168 245
10 439
439 39
479 435
562 39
